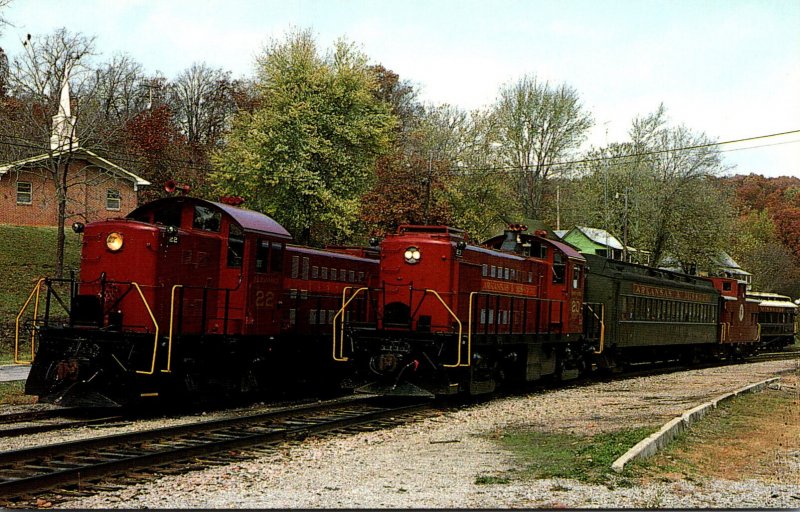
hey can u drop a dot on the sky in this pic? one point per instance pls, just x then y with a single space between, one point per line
726 68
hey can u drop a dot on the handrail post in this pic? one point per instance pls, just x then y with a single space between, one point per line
155 340
340 357
35 292
168 369
458 361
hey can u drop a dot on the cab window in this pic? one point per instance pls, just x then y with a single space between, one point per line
235 246
559 268
206 219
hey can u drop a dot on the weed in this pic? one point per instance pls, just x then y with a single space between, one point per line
491 480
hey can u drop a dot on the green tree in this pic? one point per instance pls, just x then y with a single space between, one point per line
306 154
537 126
676 210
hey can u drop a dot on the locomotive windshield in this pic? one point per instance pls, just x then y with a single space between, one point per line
168 216
206 219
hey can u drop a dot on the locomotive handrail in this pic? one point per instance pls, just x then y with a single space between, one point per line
340 357
168 369
155 340
602 319
460 330
36 291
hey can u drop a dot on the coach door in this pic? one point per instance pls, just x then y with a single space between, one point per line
265 288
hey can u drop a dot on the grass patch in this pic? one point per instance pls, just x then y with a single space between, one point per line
13 393
746 436
559 455
27 254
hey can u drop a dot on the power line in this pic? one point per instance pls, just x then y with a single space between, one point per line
612 159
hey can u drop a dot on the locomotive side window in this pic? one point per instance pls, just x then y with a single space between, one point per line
262 256
276 257
169 216
206 219
576 277
235 246
559 268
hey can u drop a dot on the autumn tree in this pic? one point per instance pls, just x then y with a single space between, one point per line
307 154
538 125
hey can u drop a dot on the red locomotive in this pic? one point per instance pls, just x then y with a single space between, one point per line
454 317
191 298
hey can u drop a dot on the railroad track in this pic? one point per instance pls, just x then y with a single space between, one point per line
35 422
67 468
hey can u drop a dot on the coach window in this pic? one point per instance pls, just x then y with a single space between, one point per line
576 277
24 192
235 246
206 219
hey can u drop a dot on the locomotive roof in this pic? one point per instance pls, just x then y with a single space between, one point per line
249 220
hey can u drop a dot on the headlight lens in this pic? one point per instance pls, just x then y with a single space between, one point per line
412 255
114 241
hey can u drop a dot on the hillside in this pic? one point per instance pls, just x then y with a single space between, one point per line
26 254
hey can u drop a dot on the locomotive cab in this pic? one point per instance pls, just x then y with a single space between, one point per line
166 296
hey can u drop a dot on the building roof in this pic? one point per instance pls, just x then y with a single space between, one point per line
79 153
600 237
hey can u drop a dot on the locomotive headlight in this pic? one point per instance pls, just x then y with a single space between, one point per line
412 255
114 241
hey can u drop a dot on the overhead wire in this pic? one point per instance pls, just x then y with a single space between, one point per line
460 170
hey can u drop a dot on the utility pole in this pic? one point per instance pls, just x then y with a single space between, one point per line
625 228
428 188
558 207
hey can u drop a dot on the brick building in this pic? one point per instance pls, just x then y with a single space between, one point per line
99 189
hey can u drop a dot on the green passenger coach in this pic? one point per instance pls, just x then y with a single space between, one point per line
651 314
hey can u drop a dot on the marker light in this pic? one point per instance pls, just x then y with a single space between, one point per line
412 255
114 241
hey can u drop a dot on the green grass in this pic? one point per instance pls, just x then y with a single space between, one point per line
542 455
13 393
727 434
26 254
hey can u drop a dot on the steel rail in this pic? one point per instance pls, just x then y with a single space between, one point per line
33 469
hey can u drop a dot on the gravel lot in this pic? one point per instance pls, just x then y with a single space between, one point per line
434 463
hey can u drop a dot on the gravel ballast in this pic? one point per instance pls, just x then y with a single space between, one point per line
435 462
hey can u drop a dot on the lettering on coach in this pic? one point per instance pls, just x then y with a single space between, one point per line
670 293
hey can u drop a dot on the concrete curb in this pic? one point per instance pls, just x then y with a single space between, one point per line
650 445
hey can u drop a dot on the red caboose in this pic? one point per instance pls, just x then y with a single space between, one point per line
738 316
454 317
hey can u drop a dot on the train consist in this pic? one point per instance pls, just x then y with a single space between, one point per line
185 299
459 318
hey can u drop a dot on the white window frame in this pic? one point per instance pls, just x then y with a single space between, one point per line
29 192
110 198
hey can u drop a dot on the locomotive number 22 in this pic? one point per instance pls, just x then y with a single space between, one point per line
265 299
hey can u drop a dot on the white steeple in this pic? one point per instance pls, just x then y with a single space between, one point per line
64 136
